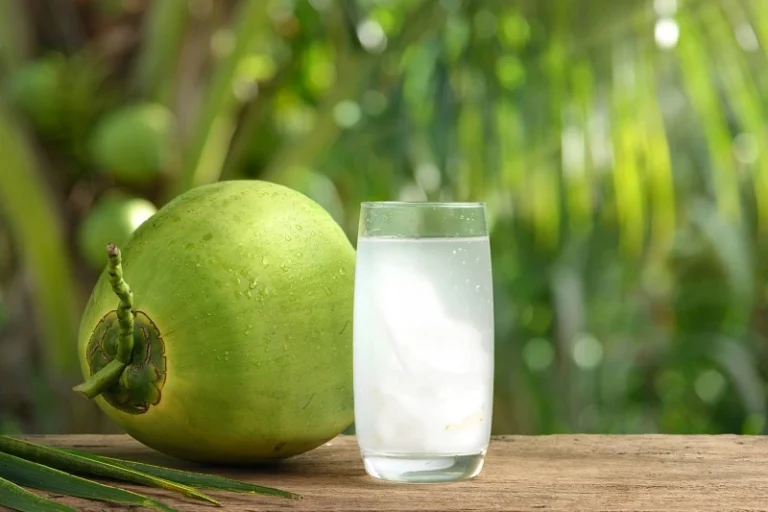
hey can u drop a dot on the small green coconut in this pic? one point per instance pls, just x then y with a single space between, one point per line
112 219
131 143
222 331
36 89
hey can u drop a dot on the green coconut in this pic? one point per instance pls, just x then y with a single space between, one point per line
231 340
131 143
36 90
112 219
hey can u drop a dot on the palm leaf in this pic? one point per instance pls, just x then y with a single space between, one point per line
215 124
741 92
192 479
31 474
575 157
704 99
627 177
31 214
164 31
66 461
734 357
656 155
17 498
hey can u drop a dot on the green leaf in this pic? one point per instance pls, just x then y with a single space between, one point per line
705 99
192 479
37 476
17 498
66 461
25 201
214 125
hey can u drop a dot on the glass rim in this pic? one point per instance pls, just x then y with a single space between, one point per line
423 204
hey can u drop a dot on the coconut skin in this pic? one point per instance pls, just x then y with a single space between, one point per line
250 288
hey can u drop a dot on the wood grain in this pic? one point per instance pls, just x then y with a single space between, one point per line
537 473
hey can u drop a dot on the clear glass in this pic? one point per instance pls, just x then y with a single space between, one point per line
423 340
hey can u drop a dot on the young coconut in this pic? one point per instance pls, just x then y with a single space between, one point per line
222 332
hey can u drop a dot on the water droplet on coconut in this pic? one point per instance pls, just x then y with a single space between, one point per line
226 352
298 226
238 280
288 238
249 294
327 290
342 272
454 251
247 333
198 265
264 262
477 287
283 266
253 283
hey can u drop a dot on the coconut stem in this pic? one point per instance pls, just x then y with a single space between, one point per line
124 313
102 380
107 376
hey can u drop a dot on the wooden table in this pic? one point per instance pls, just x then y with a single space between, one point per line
585 472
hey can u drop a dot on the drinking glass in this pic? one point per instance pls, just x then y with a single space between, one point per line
423 340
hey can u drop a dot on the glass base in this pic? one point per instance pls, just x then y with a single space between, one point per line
423 468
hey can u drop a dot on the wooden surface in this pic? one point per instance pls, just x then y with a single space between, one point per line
663 473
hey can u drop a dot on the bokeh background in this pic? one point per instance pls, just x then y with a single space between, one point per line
620 147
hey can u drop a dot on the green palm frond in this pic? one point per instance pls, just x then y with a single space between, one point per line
37 476
192 479
63 460
48 469
18 498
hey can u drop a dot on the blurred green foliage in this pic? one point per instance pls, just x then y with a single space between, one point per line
620 148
